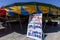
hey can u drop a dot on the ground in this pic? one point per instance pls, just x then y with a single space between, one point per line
15 36
52 33
13 32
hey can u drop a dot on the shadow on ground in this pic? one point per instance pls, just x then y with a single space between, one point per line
52 29
14 27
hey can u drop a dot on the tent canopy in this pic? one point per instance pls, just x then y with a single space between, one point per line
30 8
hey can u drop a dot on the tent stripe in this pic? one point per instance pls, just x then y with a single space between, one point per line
37 10
24 12
10 13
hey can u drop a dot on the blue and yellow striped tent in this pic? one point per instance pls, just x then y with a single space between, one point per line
31 8
21 10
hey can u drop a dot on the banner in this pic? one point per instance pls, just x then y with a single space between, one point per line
34 30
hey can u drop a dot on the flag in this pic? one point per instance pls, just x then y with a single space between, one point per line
30 8
15 9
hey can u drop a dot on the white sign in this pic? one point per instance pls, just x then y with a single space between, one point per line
34 30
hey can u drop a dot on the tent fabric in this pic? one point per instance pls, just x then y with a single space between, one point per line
24 12
16 9
37 10
2 12
50 12
10 13
54 10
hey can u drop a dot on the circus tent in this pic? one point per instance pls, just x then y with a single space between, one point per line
28 9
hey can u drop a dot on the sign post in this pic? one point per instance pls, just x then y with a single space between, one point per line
34 30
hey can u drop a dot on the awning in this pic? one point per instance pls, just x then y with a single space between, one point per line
23 10
27 10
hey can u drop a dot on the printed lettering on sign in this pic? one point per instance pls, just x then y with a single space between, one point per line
34 30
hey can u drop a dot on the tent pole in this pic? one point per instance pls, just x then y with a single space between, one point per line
20 22
45 22
8 23
57 13
47 17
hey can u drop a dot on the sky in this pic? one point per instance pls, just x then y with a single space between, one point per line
8 2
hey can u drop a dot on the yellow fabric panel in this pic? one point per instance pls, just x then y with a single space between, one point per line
30 8
44 9
54 10
7 14
15 9
6 11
